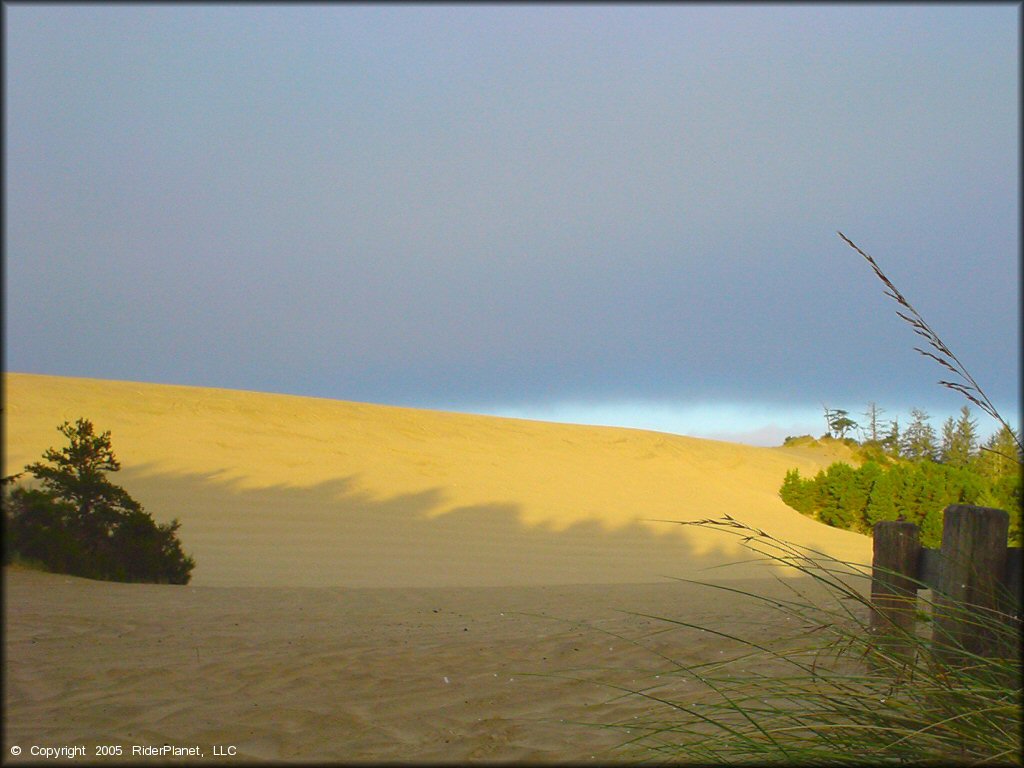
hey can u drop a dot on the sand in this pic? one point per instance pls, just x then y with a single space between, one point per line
274 490
341 675
381 584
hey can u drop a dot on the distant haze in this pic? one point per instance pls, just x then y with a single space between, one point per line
608 214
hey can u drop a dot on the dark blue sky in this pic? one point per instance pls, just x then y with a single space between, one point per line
611 214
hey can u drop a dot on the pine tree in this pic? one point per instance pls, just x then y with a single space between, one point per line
81 523
959 439
881 503
931 528
836 498
966 437
948 438
797 492
1000 456
892 440
76 475
856 499
918 442
839 423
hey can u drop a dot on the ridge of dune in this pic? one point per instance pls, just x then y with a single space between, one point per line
282 490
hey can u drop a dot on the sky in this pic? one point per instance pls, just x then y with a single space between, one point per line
604 214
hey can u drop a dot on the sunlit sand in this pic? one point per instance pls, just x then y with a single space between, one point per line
377 583
291 491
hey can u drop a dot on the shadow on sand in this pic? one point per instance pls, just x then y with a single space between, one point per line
333 534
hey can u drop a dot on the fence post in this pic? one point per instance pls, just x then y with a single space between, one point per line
973 570
893 585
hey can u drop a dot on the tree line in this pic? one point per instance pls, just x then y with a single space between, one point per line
914 473
75 521
957 444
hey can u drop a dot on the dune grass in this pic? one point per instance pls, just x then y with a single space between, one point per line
828 692
940 353
838 691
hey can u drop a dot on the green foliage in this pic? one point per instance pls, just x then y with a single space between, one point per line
916 710
919 443
796 493
881 501
839 423
37 530
836 689
799 440
80 523
873 450
856 499
960 439
1001 455
940 353
893 439
835 496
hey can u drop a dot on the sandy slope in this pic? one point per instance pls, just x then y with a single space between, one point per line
384 584
289 491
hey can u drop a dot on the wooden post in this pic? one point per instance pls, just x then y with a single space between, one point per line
973 569
893 585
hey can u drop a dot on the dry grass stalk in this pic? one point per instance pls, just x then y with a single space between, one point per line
943 355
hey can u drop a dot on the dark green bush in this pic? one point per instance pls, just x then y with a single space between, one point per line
80 523
856 499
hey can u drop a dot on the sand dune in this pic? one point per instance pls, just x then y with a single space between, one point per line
275 490
384 584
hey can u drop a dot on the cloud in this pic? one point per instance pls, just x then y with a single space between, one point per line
513 205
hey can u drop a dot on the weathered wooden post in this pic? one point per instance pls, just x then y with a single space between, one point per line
893 586
967 601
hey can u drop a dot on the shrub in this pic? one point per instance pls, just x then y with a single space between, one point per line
82 524
856 499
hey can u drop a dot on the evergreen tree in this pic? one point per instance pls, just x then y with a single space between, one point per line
836 497
839 423
931 528
902 482
965 438
892 441
1000 456
79 522
881 500
959 439
856 499
75 475
797 492
948 438
918 442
